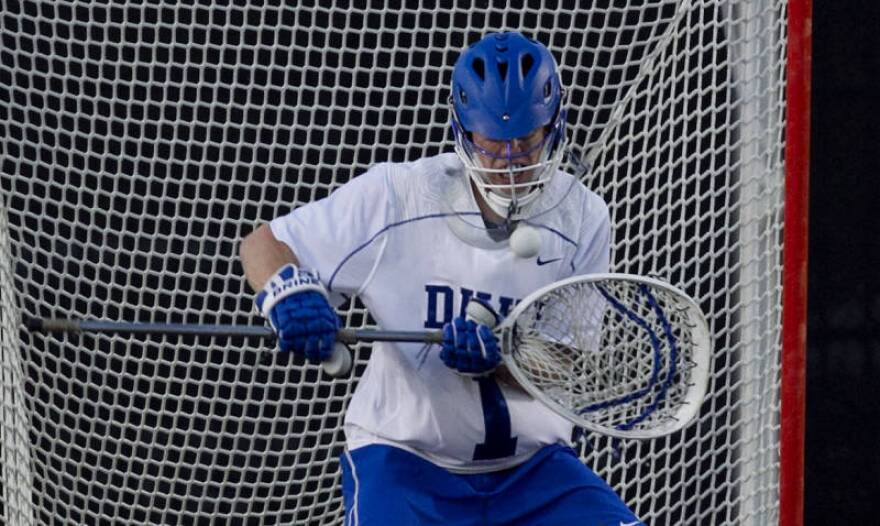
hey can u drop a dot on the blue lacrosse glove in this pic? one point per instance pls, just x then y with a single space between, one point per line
469 347
295 303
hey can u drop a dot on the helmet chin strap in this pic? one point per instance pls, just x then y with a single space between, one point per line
513 206
511 209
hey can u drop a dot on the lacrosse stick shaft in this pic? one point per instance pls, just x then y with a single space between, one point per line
348 336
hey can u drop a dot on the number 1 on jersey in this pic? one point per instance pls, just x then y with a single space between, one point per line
498 443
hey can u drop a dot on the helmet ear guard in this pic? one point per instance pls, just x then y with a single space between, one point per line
560 122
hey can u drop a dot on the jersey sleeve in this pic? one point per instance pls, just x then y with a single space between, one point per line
594 244
340 236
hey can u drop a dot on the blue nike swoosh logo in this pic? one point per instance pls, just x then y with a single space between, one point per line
546 261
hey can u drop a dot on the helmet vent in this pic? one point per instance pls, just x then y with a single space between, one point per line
525 64
548 89
502 70
479 68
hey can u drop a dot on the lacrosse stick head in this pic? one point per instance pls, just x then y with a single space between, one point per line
622 355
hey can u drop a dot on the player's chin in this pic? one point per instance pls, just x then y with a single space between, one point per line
507 193
502 183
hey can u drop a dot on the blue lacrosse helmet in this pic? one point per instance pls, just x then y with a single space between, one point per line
504 88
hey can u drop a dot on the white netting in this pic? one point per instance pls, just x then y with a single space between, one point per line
141 142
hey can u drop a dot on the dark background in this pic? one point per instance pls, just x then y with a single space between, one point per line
843 363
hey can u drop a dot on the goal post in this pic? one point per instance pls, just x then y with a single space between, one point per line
794 336
140 143
16 508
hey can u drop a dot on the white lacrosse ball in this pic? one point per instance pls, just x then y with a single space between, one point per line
480 314
525 241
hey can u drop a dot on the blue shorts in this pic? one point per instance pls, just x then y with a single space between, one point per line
387 486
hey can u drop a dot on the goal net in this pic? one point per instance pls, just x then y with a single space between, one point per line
140 143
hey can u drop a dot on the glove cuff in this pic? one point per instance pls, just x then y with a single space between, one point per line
288 280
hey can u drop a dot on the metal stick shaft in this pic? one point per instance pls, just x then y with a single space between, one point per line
192 329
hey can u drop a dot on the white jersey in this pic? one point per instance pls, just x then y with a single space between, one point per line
403 237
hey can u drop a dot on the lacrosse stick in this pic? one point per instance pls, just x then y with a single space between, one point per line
621 355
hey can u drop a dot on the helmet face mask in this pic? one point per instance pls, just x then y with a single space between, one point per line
511 174
508 120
